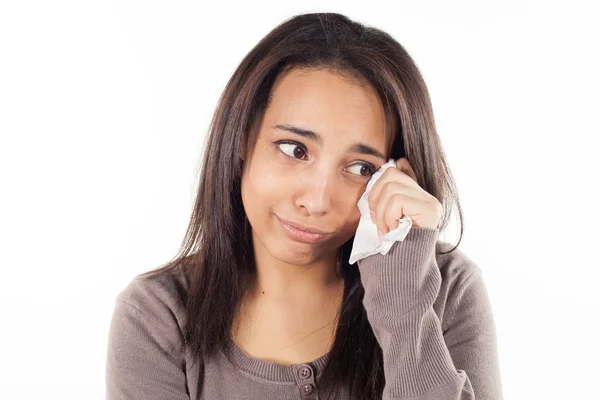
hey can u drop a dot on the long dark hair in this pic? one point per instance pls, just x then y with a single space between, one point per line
217 250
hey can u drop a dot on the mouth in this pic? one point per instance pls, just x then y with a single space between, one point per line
302 232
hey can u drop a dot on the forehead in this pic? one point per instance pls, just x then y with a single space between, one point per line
329 103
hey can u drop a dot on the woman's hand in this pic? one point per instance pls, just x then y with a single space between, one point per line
395 194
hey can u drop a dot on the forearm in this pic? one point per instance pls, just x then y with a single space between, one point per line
400 289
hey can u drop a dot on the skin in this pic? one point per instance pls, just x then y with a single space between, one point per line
396 194
289 315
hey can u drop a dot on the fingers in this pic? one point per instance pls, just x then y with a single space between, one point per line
390 213
397 194
391 175
390 194
378 217
394 203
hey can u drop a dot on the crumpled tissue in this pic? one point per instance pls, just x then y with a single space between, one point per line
366 239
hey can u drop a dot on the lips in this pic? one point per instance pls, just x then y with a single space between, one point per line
303 227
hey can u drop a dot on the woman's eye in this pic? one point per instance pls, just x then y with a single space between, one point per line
292 149
364 170
298 151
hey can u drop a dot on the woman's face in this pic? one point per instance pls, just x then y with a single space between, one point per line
313 179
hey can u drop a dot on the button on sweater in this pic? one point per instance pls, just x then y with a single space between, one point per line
430 313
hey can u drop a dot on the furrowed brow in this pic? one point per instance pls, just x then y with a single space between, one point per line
302 132
368 150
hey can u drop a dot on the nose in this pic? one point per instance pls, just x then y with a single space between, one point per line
314 192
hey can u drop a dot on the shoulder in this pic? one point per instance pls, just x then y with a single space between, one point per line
158 299
167 287
145 355
462 284
455 267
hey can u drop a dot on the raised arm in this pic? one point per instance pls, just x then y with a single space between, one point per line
470 334
400 289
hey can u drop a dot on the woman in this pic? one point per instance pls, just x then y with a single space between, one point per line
261 302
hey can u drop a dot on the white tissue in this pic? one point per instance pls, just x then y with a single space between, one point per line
366 239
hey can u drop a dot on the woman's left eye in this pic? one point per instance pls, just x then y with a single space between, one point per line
298 151
364 167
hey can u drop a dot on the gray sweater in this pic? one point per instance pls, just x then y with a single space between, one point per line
431 315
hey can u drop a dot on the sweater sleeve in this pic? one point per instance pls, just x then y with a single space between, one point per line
400 289
470 335
141 362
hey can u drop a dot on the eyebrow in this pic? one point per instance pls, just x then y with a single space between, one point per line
355 148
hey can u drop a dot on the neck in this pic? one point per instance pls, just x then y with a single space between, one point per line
289 312
293 285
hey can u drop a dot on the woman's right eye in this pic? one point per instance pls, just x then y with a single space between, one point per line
292 149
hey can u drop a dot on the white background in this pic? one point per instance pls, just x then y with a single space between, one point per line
103 110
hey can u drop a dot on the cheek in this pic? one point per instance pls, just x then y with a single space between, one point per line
351 221
349 204
348 215
262 188
267 183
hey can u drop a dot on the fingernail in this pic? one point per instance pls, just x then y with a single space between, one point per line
372 215
379 233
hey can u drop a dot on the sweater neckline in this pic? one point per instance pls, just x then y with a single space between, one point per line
271 370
